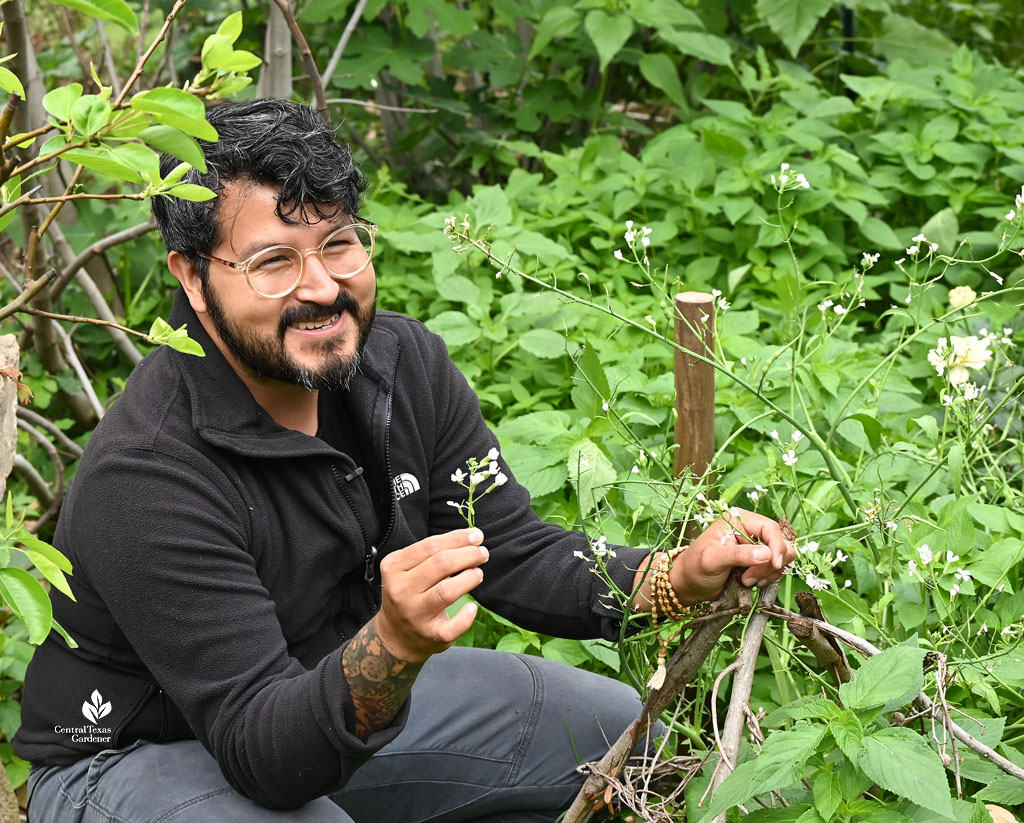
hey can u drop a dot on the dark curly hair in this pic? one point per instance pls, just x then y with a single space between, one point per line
266 142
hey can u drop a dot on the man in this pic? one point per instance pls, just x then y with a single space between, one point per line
261 607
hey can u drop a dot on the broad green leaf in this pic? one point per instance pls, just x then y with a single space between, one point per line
879 233
174 107
190 191
139 157
827 793
176 143
116 11
900 760
980 813
459 289
590 472
239 60
893 674
57 627
608 33
26 598
956 466
779 765
161 334
944 229
848 732
10 83
89 114
1006 790
231 26
560 21
590 366
564 650
100 160
792 21
455 327
708 47
59 101
544 343
905 39
32 542
216 49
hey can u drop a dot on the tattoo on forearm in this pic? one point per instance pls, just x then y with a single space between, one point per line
378 681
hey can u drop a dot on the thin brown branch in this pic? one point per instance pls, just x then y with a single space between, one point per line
73 318
5 120
108 57
99 247
69 33
370 104
30 290
58 467
141 62
346 35
307 58
36 419
143 18
17 139
76 364
60 201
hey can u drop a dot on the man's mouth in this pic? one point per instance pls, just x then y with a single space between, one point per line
316 325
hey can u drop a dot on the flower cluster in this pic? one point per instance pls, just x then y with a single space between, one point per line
479 471
960 355
789 456
633 240
788 180
1018 206
961 296
919 241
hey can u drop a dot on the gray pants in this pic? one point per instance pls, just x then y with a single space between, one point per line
491 737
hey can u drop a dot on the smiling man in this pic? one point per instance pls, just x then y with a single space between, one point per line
265 556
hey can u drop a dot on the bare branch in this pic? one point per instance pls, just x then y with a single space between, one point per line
108 58
76 364
31 289
34 480
371 104
307 58
99 247
36 419
346 35
141 62
57 494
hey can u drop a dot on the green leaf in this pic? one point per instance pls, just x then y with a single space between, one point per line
231 26
100 160
956 466
32 542
944 229
190 191
89 114
10 83
872 428
608 33
792 21
26 598
590 472
564 650
50 572
59 101
659 70
827 794
888 676
980 813
176 143
9 516
174 107
459 289
116 11
848 732
139 157
900 760
560 21
216 49
455 327
239 60
700 44
544 343
161 334
1005 789
780 764
879 233
57 627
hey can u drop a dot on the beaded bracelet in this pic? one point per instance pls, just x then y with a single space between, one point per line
665 601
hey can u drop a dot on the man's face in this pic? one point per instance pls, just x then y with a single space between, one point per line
312 337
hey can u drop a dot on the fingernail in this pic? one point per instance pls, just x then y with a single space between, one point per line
480 572
748 581
475 536
762 554
762 583
484 552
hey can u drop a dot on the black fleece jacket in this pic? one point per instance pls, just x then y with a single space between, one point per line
221 562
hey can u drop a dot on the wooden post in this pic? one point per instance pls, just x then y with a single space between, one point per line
695 387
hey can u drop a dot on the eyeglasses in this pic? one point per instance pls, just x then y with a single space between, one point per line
277 270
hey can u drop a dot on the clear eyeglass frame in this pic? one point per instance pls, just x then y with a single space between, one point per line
245 265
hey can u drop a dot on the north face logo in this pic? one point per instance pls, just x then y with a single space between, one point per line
95 708
404 485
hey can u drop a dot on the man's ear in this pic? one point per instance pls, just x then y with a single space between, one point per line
185 274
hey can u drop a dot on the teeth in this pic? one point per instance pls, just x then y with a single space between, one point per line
317 324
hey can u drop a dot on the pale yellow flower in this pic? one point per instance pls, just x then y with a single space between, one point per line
961 296
960 355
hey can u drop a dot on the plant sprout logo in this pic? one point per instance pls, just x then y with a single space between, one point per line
95 708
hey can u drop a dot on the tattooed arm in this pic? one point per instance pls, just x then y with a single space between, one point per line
418 584
378 681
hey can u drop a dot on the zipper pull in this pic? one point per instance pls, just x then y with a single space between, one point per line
371 556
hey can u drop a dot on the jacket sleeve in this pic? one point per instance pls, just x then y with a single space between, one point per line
164 545
535 575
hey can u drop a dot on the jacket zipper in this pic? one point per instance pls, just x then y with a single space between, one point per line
370 549
387 453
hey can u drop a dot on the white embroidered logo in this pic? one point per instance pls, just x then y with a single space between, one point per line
95 708
404 485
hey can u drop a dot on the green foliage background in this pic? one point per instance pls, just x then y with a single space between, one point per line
555 123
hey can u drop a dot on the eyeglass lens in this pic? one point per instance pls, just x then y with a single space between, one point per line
344 253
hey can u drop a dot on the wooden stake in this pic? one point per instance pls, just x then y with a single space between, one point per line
695 388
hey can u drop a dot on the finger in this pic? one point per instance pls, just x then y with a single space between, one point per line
414 555
447 591
445 564
752 526
449 629
721 557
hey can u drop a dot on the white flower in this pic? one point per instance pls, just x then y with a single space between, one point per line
635 469
824 304
920 238
996 277
476 479
954 590
646 230
493 468
892 525
723 304
984 628
841 557
847 584
901 261
617 254
802 181
947 400
774 434
934 247
1006 339
645 241
790 458
753 496
630 236
962 575
951 558
810 546
453 504
784 166
492 454
960 355
816 583
869 260
911 250
798 436
580 555
971 391
925 553
604 406
629 224
961 296
912 566
1011 214
501 479
459 476
840 310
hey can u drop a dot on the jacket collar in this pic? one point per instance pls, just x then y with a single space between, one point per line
225 414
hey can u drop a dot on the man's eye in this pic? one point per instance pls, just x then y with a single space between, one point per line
273 261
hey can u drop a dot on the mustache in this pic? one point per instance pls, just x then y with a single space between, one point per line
311 312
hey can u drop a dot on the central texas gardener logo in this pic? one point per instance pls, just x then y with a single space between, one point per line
94 708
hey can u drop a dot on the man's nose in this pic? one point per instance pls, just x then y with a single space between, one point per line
316 284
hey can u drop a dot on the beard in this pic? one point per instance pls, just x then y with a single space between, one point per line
267 358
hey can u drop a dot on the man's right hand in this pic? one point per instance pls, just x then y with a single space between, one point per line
419 583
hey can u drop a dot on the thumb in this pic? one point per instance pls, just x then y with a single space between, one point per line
727 553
